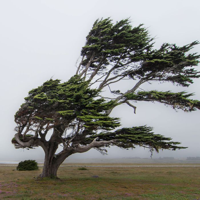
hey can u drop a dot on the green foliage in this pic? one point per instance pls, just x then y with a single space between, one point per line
170 63
107 42
27 165
130 51
113 52
56 104
141 136
82 168
178 100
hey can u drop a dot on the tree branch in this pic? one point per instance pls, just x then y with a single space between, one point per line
96 70
93 144
87 66
23 144
79 65
134 107
114 81
98 80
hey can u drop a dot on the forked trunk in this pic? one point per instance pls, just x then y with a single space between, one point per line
50 168
52 163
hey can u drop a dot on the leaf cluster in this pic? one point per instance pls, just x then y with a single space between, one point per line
119 43
56 104
170 63
27 165
178 100
141 136
118 51
112 53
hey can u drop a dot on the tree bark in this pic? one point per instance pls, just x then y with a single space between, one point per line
52 161
50 168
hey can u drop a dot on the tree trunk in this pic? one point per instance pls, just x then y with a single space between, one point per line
52 162
50 168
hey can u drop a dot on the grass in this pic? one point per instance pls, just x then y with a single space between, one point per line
103 183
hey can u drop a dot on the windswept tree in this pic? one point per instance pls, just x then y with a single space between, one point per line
75 114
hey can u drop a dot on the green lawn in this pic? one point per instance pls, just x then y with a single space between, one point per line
85 183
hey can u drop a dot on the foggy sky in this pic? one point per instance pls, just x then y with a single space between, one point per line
42 39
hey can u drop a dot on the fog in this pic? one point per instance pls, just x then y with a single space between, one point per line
42 39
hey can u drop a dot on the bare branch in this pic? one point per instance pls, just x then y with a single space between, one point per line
96 80
114 81
137 85
23 144
93 144
79 65
109 72
96 70
87 66
134 107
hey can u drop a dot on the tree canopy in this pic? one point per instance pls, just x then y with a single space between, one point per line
76 112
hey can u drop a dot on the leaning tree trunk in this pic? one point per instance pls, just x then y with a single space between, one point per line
50 168
52 161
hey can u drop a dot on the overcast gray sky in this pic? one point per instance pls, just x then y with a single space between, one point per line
40 39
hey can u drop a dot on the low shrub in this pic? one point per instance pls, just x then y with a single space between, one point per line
27 165
82 168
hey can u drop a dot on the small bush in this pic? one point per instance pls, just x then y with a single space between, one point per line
82 168
27 165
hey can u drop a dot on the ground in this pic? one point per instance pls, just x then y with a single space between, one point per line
104 181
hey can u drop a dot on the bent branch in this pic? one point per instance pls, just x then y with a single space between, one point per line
93 144
23 144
